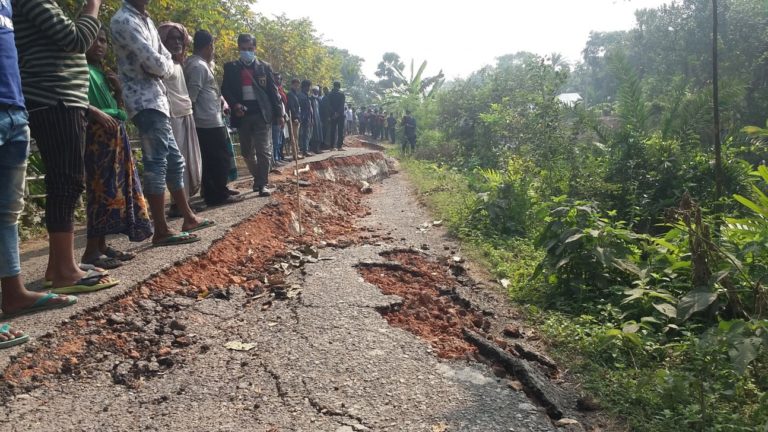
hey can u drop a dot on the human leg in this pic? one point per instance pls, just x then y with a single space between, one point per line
248 138
263 150
60 135
14 148
213 147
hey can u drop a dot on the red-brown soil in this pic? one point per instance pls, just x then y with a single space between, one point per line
429 309
239 259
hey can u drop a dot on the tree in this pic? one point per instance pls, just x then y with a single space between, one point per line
390 71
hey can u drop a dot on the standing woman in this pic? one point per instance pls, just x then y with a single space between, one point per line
116 204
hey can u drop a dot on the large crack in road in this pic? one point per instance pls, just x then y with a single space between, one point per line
313 346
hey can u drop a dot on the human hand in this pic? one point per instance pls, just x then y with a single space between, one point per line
113 81
109 123
91 7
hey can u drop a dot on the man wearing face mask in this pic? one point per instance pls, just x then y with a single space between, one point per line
250 90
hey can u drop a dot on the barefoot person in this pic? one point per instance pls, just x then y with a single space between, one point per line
14 147
54 77
116 204
143 63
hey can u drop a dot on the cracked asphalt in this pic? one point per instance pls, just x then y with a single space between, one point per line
325 361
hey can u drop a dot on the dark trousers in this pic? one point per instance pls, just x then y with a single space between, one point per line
215 156
60 135
392 134
327 134
256 148
410 141
337 131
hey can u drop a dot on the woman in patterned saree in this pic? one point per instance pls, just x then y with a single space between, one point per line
116 204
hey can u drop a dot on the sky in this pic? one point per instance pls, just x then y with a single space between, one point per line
458 37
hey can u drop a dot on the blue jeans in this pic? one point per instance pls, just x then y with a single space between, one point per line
14 149
163 162
277 142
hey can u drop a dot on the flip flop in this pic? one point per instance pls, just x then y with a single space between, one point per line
106 262
86 284
5 329
178 239
83 267
120 255
42 304
206 223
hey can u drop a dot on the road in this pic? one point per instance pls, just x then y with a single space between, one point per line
253 329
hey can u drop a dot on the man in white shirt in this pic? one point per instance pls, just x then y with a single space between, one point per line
350 114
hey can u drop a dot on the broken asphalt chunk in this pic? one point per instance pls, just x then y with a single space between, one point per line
239 346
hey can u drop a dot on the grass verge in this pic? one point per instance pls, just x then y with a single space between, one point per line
658 386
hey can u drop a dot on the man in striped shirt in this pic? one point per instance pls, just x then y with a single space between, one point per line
54 75
14 147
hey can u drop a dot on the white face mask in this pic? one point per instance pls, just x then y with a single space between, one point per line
247 57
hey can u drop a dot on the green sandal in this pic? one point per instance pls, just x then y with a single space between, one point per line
42 304
178 239
206 223
5 329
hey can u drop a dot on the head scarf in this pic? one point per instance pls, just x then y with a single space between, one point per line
166 27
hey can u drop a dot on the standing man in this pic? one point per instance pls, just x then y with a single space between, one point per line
211 131
294 109
176 39
14 148
337 102
361 121
325 117
317 141
54 75
307 117
277 127
391 123
250 90
350 127
409 124
143 63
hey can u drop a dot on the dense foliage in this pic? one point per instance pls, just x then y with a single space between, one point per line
292 46
602 215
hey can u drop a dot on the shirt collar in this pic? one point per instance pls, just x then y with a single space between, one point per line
133 10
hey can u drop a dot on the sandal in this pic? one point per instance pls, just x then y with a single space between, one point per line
105 262
89 283
13 340
178 239
84 267
42 304
206 223
120 255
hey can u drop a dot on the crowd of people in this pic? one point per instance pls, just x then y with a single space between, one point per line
380 125
56 88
